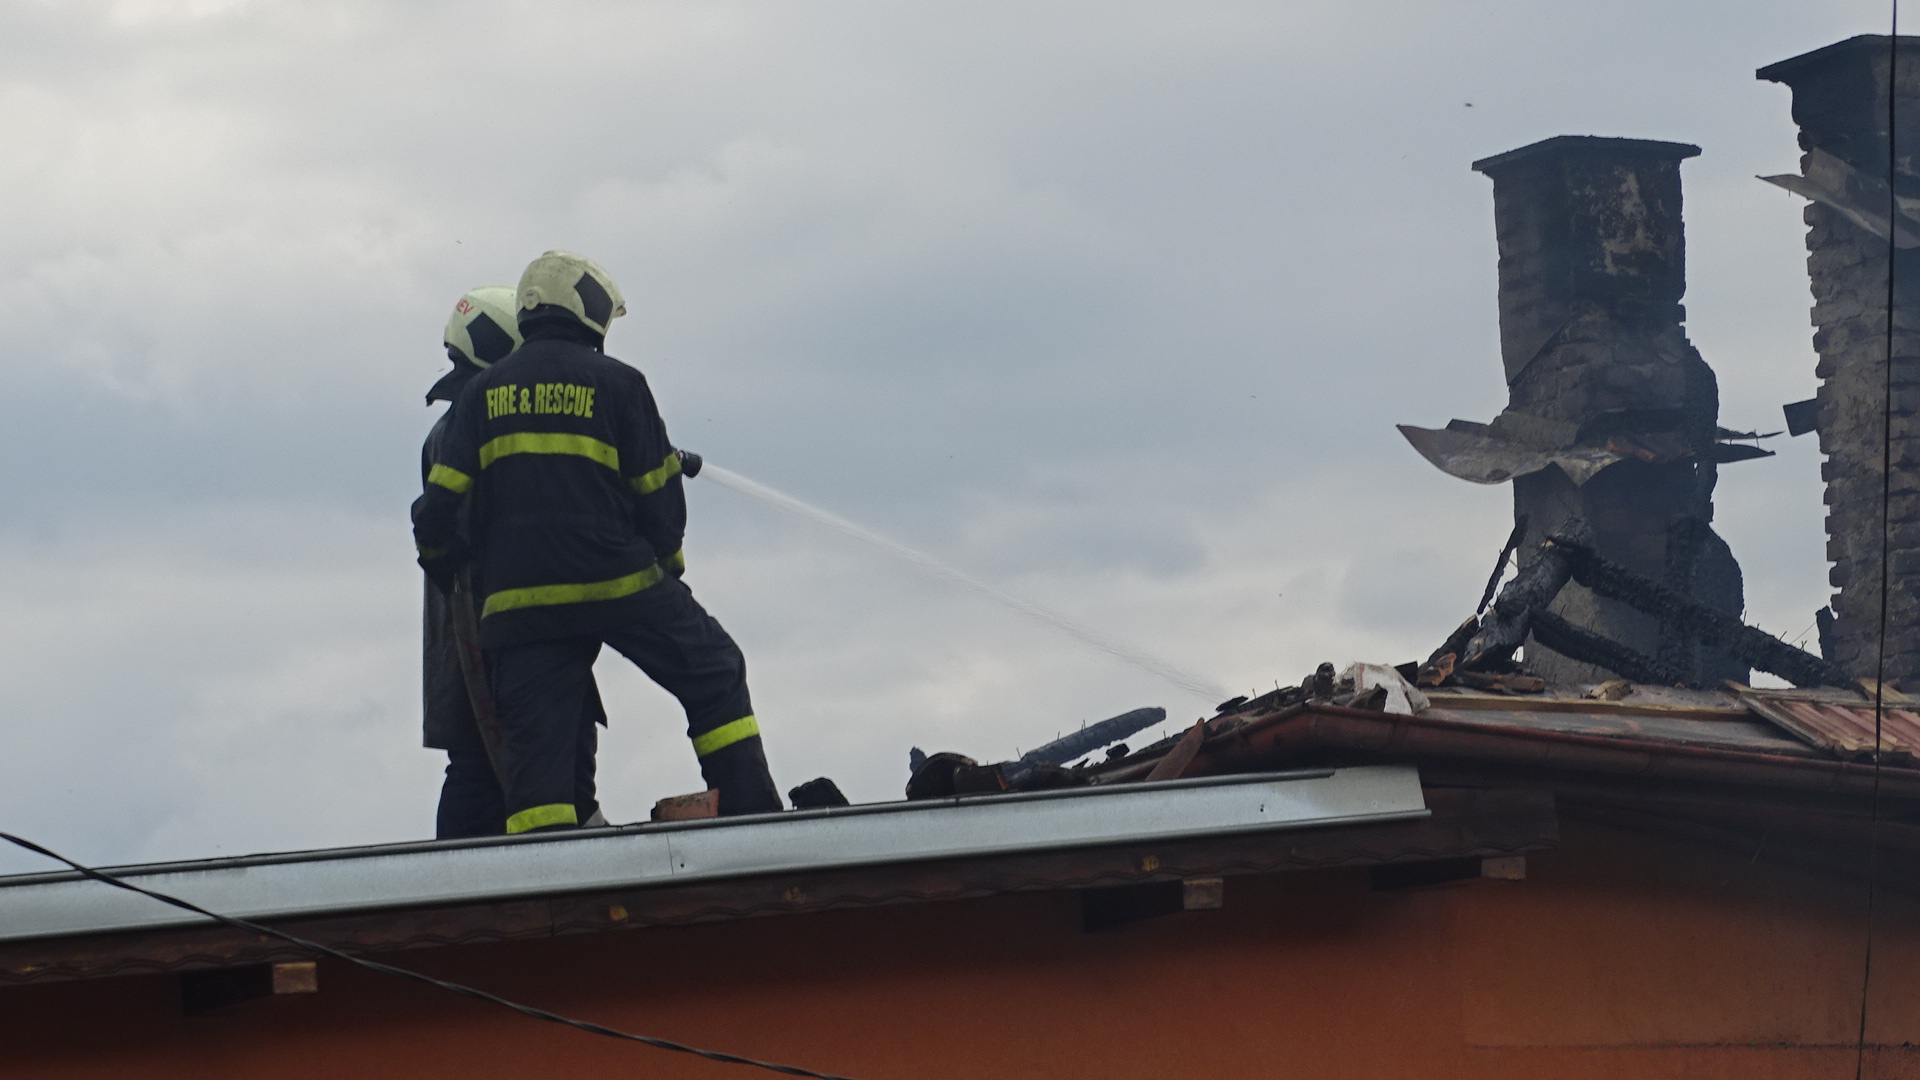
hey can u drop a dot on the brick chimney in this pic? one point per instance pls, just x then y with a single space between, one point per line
1612 415
1840 102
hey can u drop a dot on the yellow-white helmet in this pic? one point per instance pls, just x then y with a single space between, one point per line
573 282
483 326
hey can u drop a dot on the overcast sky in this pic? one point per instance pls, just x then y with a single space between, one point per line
1113 305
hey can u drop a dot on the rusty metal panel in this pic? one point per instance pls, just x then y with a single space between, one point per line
1842 727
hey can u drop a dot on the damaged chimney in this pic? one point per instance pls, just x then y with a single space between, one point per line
1612 415
1840 103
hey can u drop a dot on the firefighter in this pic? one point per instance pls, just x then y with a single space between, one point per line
577 515
481 331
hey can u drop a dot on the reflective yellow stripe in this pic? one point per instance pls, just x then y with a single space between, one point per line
725 735
549 442
539 817
676 561
649 482
452 479
544 595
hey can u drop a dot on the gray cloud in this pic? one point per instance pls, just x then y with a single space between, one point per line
1113 305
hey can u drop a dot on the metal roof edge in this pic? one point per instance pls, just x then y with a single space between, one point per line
1462 823
340 881
314 855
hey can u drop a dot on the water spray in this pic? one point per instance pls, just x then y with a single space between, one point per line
1196 685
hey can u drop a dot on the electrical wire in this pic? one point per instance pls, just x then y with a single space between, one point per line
1886 544
388 969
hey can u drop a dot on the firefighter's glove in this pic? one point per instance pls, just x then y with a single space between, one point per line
443 564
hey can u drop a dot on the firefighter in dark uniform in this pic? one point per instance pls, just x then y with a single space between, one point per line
576 519
481 331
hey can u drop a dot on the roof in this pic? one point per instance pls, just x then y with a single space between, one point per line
1270 785
1330 817
358 879
1655 733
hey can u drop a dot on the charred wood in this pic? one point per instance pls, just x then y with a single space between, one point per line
1319 685
1514 538
1437 671
1504 628
1456 643
1704 624
1505 683
1577 643
818 793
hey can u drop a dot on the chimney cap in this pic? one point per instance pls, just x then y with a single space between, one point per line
1794 67
1589 144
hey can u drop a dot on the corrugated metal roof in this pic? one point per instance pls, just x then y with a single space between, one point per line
1842 727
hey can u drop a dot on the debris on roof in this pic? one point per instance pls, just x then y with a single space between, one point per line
1488 643
817 794
1078 744
941 775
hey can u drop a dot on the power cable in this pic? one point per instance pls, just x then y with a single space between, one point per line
1886 543
388 969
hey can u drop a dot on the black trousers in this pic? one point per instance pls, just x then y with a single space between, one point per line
540 686
472 803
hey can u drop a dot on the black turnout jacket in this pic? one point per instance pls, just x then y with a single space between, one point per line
572 490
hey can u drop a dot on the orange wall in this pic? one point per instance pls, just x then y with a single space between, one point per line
1618 957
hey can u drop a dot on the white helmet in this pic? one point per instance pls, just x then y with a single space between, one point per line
483 327
573 282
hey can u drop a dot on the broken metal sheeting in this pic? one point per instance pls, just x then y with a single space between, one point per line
1802 416
1472 452
1483 458
1862 199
